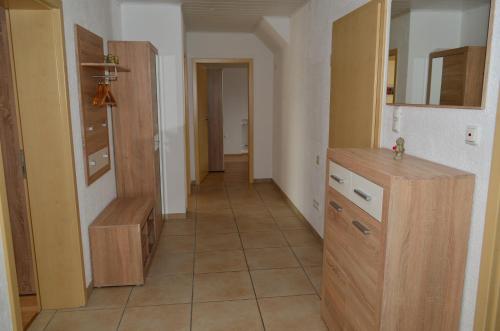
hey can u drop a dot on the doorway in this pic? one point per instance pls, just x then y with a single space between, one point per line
223 94
392 78
39 225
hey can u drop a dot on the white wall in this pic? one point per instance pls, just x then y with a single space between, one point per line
162 25
99 17
475 26
241 45
399 39
5 309
234 108
301 129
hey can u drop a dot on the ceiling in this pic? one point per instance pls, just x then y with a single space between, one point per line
229 15
403 6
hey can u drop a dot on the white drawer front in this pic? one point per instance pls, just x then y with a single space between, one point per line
367 195
340 179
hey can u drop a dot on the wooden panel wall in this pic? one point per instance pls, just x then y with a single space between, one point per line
14 178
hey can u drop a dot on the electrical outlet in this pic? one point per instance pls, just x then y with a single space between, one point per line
315 204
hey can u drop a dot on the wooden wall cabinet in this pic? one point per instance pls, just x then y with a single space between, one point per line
396 236
135 124
122 241
462 76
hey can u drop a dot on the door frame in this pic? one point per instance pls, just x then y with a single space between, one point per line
249 63
74 294
488 296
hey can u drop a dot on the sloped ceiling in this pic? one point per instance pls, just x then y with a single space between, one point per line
229 15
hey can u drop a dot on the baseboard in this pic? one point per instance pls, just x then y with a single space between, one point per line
263 180
297 211
89 290
177 216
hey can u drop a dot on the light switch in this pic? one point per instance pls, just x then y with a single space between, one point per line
472 135
396 120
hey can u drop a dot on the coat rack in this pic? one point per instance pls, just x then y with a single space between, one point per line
95 77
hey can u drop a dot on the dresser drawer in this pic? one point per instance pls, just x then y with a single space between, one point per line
367 195
339 178
354 241
364 193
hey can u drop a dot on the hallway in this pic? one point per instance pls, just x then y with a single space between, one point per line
243 261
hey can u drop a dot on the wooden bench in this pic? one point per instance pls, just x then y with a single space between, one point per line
122 240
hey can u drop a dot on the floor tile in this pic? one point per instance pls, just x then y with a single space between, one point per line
176 244
85 320
257 224
309 255
214 215
42 320
301 238
297 313
223 286
178 228
109 297
162 290
171 263
263 240
155 318
315 274
227 316
216 227
281 282
218 242
268 258
219 261
281 211
292 222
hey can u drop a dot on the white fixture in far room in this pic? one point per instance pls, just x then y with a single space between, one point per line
472 135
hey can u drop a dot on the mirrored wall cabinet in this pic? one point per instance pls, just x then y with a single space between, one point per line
438 52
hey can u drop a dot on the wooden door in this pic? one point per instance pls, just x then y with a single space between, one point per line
14 169
356 77
202 100
215 121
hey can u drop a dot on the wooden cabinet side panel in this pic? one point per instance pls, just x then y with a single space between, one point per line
116 255
133 125
426 246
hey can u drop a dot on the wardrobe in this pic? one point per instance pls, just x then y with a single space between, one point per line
135 124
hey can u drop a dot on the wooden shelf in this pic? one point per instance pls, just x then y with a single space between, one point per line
106 66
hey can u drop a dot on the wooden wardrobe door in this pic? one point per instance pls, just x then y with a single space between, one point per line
202 100
215 121
14 178
356 85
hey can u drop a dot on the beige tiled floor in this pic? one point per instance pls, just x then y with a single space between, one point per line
243 261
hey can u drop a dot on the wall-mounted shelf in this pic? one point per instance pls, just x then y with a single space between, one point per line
106 66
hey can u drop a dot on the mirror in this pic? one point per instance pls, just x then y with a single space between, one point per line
437 52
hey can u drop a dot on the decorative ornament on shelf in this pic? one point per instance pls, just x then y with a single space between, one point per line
399 149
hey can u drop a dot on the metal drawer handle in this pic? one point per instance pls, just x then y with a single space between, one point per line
336 206
364 230
337 179
363 195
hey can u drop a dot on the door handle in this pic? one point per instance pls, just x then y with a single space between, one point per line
336 206
363 229
337 179
363 195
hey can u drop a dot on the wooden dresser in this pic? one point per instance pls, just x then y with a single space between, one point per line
396 236
122 242
135 124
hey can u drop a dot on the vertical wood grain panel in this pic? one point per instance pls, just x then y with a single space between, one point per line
202 115
215 121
